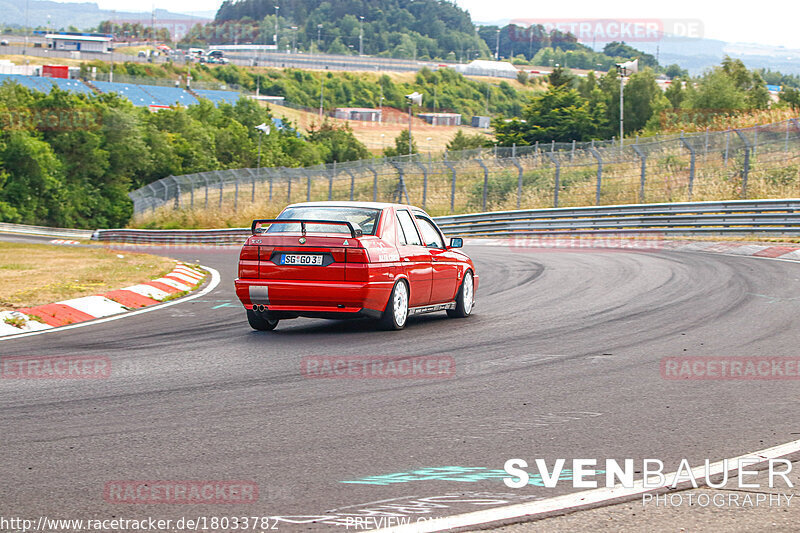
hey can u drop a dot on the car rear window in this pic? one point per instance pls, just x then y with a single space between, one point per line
360 217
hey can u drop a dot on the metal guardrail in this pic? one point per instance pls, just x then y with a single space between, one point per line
219 237
778 217
765 217
44 231
736 216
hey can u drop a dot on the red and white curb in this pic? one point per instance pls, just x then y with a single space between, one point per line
63 241
182 278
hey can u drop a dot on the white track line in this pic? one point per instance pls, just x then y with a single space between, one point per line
578 499
215 279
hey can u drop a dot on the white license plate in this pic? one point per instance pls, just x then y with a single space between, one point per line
301 259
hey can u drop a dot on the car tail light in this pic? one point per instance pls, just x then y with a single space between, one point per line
249 253
356 255
265 252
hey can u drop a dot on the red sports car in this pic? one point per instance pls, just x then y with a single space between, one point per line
352 259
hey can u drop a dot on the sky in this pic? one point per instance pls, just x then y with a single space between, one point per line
775 26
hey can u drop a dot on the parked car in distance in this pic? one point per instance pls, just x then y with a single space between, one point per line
352 259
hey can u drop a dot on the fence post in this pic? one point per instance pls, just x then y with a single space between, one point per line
557 183
786 143
221 183
596 155
271 179
352 182
643 157
191 191
746 169
308 185
572 153
253 192
424 183
163 182
374 182
485 182
515 162
727 145
153 203
236 193
177 192
330 182
205 182
400 189
452 168
755 141
691 164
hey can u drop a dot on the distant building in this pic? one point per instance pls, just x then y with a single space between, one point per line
276 100
441 119
481 122
55 71
79 42
481 67
364 114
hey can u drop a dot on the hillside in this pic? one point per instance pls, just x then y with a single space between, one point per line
82 15
424 29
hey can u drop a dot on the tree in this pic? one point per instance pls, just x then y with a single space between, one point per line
401 146
625 51
587 84
560 77
675 93
462 141
715 91
757 93
674 71
791 97
559 114
642 97
337 143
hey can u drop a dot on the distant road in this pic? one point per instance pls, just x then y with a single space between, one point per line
306 61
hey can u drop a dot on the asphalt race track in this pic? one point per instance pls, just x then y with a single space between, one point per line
560 360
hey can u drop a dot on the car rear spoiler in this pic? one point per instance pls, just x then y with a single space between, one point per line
354 232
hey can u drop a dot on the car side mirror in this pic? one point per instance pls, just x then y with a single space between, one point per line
456 242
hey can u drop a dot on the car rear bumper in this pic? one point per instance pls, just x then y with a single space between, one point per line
314 298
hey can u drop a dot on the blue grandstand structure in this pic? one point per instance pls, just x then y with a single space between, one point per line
230 97
139 95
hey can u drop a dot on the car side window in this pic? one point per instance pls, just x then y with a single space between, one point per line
430 234
409 233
